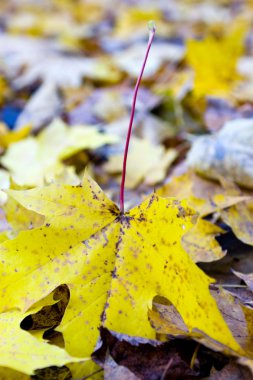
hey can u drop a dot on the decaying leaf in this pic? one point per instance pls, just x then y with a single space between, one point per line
113 371
239 318
168 360
199 242
203 195
114 264
43 154
231 371
226 154
247 278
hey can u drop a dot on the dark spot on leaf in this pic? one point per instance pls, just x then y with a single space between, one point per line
113 209
85 242
151 201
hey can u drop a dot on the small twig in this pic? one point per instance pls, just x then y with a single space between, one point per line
194 356
228 286
152 29
166 369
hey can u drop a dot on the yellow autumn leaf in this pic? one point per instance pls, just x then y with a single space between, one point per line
214 62
36 160
22 352
204 196
239 318
19 218
113 263
240 218
200 243
151 169
11 374
135 20
8 137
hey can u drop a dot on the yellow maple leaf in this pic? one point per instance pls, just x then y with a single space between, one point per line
135 20
214 62
36 160
113 263
19 218
209 197
8 137
200 242
22 352
166 320
151 170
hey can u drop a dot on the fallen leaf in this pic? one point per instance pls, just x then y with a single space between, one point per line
44 106
239 318
215 72
225 154
169 360
20 218
99 106
240 219
199 242
134 20
43 154
113 371
232 371
247 278
150 170
178 87
130 59
11 374
8 137
87 368
101 258
203 195
64 71
53 372
45 63
17 353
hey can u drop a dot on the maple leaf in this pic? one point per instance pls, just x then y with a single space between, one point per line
113 263
226 153
8 137
214 62
60 69
151 170
43 154
239 317
17 353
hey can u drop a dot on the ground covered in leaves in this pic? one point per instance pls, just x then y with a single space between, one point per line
165 289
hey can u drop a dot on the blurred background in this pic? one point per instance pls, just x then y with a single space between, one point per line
76 62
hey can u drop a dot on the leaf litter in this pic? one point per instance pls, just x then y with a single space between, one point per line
77 67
